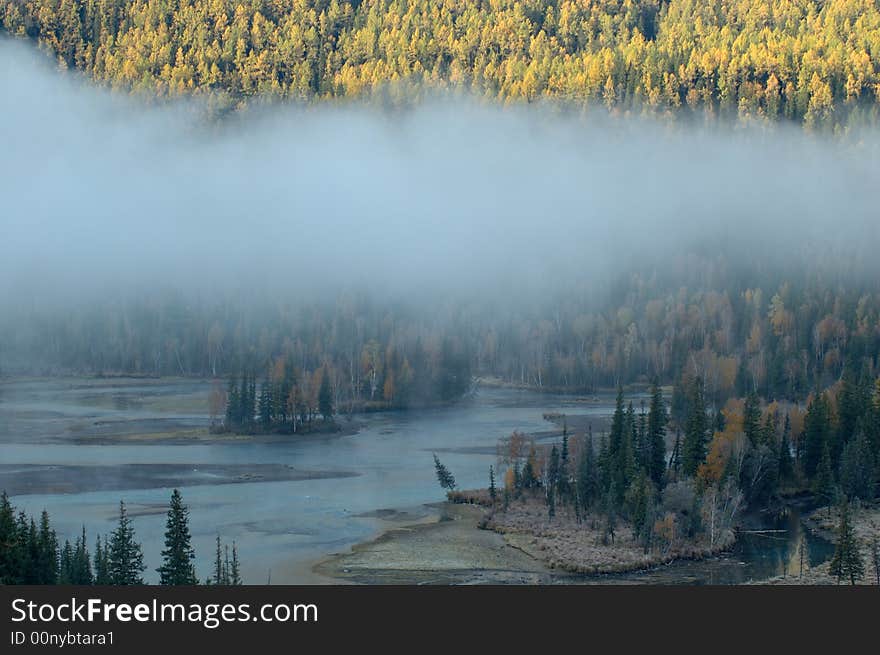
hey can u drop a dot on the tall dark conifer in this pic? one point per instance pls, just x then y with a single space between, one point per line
177 557
125 558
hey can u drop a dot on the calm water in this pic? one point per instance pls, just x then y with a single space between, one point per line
281 527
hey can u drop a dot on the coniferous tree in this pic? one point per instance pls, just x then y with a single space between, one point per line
616 447
177 557
265 405
857 469
696 431
823 484
564 481
847 560
10 565
752 419
492 491
657 422
529 474
552 473
234 573
325 398
47 553
101 563
125 558
75 566
675 457
233 405
588 475
220 573
444 476
817 434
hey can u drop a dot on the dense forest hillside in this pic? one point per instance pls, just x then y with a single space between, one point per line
811 61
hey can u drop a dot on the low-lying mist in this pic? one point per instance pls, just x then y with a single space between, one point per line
104 195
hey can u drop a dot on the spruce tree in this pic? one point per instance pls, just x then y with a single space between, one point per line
752 419
233 406
444 476
125 558
696 431
325 397
234 573
657 421
101 565
220 574
9 564
492 491
817 434
177 557
47 553
552 473
823 484
588 476
847 561
564 482
857 472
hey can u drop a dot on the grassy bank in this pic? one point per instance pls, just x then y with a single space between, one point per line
583 546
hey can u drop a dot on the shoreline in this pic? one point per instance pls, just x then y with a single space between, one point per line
823 522
456 546
446 547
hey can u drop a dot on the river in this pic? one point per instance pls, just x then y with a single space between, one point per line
106 427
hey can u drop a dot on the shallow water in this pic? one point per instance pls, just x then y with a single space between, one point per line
282 527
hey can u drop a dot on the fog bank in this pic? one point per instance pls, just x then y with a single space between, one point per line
101 194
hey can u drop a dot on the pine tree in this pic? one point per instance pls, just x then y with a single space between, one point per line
125 558
82 562
552 472
823 484
444 477
325 397
617 434
675 457
177 557
220 574
817 434
233 406
101 565
9 538
857 470
234 574
492 491
529 476
752 419
657 421
265 405
588 475
847 561
564 481
47 553
696 431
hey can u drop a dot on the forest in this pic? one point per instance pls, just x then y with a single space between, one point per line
32 554
623 499
813 62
